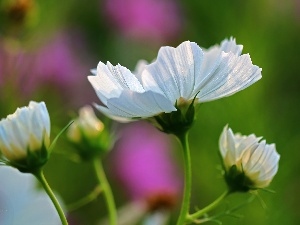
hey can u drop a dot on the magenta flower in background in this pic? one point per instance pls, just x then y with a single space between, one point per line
15 64
57 62
54 65
144 165
154 20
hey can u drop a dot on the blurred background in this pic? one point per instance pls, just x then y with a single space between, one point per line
47 48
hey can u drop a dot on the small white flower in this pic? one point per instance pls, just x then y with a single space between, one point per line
178 75
21 202
26 131
86 124
249 163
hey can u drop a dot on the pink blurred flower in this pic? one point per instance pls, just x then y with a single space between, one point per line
55 65
155 20
144 166
61 64
56 62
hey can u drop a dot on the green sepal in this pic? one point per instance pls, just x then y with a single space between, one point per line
237 181
177 122
34 160
190 113
91 147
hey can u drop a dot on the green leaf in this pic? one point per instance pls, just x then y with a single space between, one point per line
58 135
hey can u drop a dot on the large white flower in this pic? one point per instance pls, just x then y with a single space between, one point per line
249 163
177 76
21 203
25 132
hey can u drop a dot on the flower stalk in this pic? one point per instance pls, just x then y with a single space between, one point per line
208 208
183 138
85 200
109 199
40 176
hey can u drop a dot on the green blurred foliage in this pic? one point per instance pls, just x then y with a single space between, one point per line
269 31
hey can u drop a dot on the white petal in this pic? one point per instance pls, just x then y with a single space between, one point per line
11 148
227 147
234 74
232 154
6 137
139 68
22 203
94 71
173 73
133 104
223 142
256 155
246 143
212 59
112 115
125 78
4 143
111 80
211 54
44 117
19 136
270 162
231 46
40 122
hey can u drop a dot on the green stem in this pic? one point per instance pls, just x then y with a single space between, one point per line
187 179
85 200
211 206
106 191
40 176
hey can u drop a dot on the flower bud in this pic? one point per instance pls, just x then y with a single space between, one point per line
88 135
248 162
25 137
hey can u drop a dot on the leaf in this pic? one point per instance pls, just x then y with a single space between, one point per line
58 135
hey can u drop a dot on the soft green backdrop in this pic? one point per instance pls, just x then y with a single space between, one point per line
270 33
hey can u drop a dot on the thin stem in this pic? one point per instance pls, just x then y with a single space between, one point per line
110 203
185 205
211 206
40 176
85 200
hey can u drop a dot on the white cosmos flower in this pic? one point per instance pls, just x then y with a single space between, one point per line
21 203
256 160
177 74
26 131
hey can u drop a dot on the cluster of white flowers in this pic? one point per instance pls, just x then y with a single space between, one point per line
179 77
182 74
